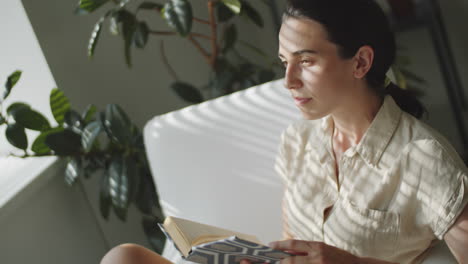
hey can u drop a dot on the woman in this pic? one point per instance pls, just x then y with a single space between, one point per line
365 178
366 182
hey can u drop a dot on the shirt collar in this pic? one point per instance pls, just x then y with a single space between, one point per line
379 133
375 139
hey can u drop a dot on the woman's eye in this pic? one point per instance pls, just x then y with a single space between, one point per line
306 62
284 64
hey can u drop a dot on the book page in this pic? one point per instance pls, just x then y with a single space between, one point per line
197 233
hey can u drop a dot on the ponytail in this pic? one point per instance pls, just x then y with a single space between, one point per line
406 100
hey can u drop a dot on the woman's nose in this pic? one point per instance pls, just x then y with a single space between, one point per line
291 78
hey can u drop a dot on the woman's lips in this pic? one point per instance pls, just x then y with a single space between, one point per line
301 101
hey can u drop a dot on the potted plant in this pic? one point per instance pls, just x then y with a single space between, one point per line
230 71
90 141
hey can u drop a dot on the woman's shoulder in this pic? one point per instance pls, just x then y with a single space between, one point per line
421 139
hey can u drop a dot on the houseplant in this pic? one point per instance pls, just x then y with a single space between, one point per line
90 141
230 71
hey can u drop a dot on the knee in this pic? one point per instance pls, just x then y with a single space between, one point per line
124 254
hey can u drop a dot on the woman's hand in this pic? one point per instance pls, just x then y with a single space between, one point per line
311 252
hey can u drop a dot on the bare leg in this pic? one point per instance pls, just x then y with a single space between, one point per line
133 254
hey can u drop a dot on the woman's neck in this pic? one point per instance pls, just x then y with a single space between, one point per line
352 120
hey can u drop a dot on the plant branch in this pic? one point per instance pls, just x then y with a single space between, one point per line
200 35
202 21
214 45
5 120
171 33
200 48
166 62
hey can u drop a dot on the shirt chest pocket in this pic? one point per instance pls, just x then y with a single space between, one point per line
362 231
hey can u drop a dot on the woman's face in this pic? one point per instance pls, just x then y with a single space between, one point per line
317 77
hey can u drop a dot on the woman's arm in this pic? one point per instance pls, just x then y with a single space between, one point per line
457 237
310 252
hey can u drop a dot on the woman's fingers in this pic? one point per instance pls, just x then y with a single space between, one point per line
298 260
300 247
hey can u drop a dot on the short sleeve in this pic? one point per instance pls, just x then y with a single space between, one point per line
285 154
449 191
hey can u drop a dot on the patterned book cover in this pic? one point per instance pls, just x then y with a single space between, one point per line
230 251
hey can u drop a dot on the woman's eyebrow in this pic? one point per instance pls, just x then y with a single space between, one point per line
301 52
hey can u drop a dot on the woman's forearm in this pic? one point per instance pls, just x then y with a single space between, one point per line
373 261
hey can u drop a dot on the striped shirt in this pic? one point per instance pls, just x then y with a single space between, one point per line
398 190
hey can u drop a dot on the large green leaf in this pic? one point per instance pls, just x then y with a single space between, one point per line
13 108
187 92
223 13
117 124
73 170
16 135
88 6
155 236
89 113
105 201
95 37
73 121
91 164
114 24
30 119
129 24
146 197
233 5
89 135
10 83
178 14
141 34
64 142
252 14
229 38
150 6
121 174
224 77
39 146
59 105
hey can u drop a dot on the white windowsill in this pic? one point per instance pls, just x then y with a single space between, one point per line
17 173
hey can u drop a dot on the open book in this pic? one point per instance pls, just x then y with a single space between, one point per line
207 244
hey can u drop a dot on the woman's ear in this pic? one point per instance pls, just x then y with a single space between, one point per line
363 61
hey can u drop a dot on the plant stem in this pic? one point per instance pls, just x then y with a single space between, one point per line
201 21
200 35
166 62
171 33
200 48
214 45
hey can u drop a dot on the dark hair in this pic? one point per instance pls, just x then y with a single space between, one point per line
351 24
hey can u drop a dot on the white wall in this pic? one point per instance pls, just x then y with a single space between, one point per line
143 90
50 223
